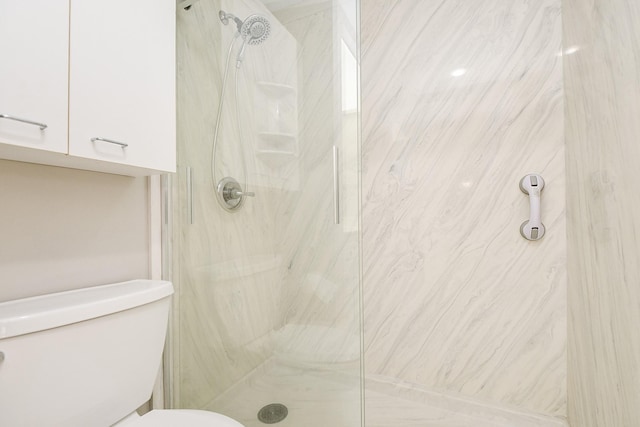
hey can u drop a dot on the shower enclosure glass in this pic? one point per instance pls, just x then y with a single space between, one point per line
267 304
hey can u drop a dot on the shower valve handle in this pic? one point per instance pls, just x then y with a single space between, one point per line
230 195
236 194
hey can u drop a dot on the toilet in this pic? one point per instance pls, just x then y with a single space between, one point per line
88 358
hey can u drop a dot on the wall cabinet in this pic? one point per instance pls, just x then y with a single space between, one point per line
34 72
116 61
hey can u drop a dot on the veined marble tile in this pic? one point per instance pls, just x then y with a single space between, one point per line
390 403
453 299
319 397
460 101
227 268
321 297
314 396
278 277
602 65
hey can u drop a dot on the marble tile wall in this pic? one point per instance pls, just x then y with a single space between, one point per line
460 100
321 283
455 300
278 278
602 65
393 403
227 268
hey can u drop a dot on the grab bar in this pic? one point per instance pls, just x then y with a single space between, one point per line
533 229
336 186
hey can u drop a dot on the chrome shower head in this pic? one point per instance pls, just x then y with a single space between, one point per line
255 29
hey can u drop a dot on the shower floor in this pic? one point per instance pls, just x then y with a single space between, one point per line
322 398
314 397
396 405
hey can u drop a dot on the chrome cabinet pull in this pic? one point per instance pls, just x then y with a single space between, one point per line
42 126
533 229
110 141
336 186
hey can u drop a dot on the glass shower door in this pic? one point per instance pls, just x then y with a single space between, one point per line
266 322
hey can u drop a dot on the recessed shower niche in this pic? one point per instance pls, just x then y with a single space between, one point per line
277 122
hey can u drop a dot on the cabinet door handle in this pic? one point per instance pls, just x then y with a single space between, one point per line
110 141
533 229
42 126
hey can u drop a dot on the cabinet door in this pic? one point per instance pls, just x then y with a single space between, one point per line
122 82
34 64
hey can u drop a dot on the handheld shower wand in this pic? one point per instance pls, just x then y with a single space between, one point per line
254 30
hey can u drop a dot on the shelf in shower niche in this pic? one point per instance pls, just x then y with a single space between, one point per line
276 158
277 141
276 90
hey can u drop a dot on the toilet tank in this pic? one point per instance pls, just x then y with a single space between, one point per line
85 358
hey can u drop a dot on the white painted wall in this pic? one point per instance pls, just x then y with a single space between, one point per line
63 229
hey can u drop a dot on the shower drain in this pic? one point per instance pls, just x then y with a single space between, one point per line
273 413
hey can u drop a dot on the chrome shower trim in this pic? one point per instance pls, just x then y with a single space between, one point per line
230 195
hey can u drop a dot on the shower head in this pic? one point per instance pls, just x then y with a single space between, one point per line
255 29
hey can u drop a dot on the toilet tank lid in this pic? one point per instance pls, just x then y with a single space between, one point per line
43 312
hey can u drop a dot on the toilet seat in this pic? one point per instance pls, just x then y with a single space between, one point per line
181 418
